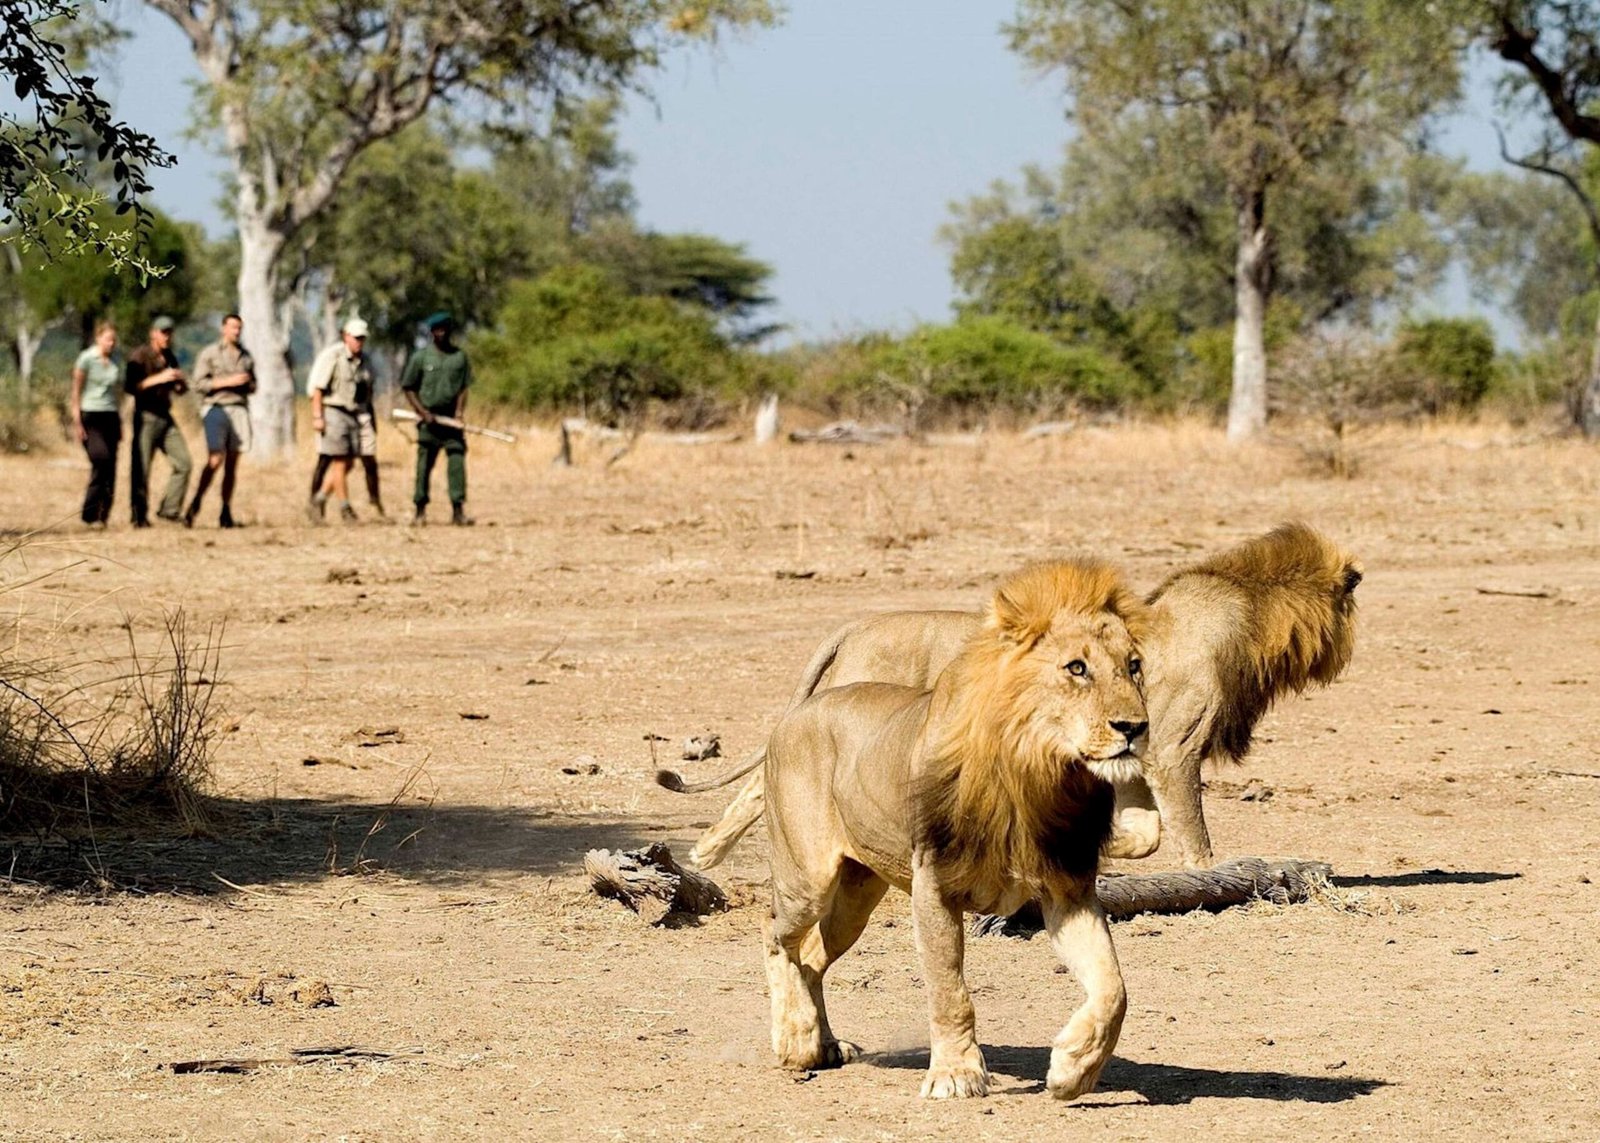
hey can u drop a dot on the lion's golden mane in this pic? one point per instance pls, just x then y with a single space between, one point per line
998 804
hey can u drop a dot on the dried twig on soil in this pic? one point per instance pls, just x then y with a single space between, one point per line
1230 883
341 1053
652 884
1520 592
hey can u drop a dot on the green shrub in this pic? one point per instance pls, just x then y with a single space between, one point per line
576 338
974 363
1205 372
1446 363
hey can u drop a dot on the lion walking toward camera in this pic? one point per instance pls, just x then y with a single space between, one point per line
984 793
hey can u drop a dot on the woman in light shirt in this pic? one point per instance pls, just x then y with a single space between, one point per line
95 377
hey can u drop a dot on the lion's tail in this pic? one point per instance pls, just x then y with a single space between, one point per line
742 813
815 669
746 809
672 780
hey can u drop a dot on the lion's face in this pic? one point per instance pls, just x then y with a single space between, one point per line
1080 683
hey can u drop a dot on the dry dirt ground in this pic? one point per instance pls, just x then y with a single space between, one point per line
430 885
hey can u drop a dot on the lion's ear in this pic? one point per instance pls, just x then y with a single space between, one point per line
1352 576
1014 618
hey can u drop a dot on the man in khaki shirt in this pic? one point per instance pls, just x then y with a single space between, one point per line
224 376
341 390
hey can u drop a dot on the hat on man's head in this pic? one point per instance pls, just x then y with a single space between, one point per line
164 324
355 327
434 321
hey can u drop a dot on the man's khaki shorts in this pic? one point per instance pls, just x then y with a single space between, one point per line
341 433
367 435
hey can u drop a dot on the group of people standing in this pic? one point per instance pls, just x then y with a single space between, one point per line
435 383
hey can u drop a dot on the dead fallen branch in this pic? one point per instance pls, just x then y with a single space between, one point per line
652 884
341 1053
847 432
1520 592
1230 883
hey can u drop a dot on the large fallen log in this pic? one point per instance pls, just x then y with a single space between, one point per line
652 884
1234 882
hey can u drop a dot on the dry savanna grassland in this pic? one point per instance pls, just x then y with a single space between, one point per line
421 732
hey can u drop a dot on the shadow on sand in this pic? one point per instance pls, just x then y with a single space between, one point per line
282 840
1160 1084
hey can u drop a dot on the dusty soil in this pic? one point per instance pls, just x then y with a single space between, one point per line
431 882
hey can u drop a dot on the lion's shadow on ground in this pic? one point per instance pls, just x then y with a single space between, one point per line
1159 1084
275 841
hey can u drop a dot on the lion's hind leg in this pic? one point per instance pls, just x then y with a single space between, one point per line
799 1021
858 892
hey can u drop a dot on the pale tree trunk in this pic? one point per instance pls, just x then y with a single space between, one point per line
27 337
27 343
272 406
1589 408
1247 401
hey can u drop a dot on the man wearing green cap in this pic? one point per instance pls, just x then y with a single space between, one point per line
152 376
435 383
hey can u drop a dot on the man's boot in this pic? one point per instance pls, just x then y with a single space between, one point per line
459 517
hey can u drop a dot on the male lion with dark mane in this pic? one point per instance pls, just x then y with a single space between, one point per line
1231 634
989 791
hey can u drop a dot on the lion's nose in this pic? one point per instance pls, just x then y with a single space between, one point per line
1130 730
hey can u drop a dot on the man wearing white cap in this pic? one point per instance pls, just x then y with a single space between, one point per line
341 390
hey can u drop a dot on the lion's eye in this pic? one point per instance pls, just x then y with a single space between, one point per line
1078 667
1135 667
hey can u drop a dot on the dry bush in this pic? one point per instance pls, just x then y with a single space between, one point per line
1333 385
133 750
20 431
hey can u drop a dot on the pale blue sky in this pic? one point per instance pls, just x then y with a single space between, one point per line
831 145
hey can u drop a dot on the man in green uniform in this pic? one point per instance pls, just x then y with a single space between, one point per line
435 383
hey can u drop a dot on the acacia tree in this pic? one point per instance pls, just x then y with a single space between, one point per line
1554 46
300 88
1273 89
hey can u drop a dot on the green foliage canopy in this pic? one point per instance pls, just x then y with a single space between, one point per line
577 336
60 144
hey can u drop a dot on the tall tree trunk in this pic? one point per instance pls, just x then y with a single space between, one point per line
272 406
1589 399
1247 401
28 342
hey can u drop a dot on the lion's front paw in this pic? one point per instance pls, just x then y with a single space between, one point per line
966 1078
1073 1073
